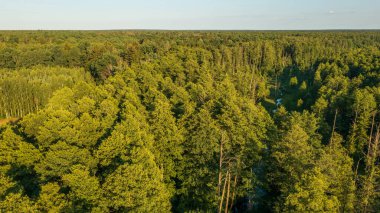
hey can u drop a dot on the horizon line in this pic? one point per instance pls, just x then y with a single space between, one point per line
164 29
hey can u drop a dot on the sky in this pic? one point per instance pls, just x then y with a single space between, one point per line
189 14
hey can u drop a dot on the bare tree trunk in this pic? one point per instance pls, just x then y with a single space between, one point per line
357 168
233 192
228 192
353 129
370 135
372 155
220 165
253 84
333 129
275 88
222 198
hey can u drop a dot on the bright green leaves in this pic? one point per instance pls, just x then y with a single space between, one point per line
25 91
84 188
7 186
79 117
115 146
363 108
60 157
17 159
16 202
176 122
225 136
55 123
168 138
79 134
292 155
310 195
311 177
336 165
51 199
62 99
137 186
13 150
83 131
199 176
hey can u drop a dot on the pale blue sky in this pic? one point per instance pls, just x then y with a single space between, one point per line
190 14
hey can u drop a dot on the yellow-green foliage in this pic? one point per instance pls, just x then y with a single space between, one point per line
148 121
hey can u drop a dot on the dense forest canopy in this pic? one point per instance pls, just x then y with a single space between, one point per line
189 121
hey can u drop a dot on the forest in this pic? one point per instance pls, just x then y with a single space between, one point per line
190 121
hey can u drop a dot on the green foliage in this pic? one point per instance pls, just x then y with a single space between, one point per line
28 90
51 199
85 191
310 195
61 157
137 186
16 202
311 176
147 121
168 138
293 81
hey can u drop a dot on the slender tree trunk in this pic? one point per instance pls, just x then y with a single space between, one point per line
370 135
372 155
357 168
333 129
253 84
222 198
275 87
220 165
228 192
353 130
233 192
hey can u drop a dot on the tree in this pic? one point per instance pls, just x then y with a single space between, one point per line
168 139
293 154
185 121
225 140
310 195
200 173
51 199
364 105
61 157
369 180
137 186
85 192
